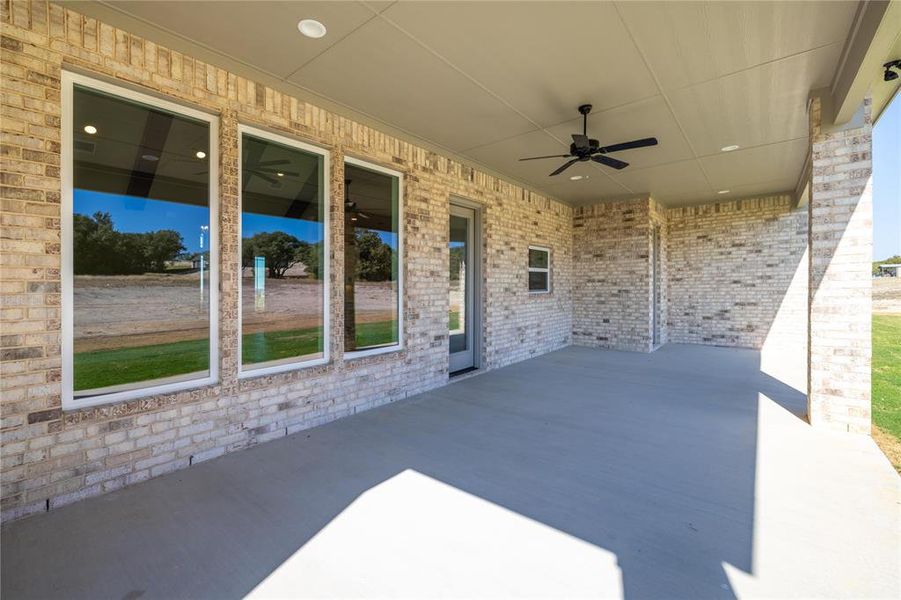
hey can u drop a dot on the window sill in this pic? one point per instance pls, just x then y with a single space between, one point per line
75 404
251 373
372 352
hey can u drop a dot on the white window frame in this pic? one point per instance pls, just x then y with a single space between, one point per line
69 402
349 160
532 269
285 365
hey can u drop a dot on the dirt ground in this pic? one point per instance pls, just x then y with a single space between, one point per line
890 446
887 296
138 310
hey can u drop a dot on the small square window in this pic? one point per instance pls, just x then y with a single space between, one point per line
539 270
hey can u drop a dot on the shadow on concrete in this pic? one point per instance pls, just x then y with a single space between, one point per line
650 457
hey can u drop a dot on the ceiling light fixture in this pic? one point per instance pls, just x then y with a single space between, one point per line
150 157
723 192
311 28
577 177
280 174
730 148
90 129
890 75
200 154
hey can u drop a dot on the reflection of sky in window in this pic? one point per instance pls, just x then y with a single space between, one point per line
131 214
308 231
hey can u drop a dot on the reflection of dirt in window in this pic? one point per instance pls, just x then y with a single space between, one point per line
126 311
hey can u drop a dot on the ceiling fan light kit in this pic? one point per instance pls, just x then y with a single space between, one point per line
585 149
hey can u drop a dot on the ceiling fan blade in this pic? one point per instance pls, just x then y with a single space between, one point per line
276 172
610 162
551 156
263 176
272 163
642 143
565 166
581 141
364 215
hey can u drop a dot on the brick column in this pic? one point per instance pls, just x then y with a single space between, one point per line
840 239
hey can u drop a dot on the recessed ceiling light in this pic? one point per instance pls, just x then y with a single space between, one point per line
311 28
150 157
730 148
723 192
578 177
90 129
280 174
200 154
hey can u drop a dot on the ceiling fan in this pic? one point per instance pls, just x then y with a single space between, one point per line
584 149
262 169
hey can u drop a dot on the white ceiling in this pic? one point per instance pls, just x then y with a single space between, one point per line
496 81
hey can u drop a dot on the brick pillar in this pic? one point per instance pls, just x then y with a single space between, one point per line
840 239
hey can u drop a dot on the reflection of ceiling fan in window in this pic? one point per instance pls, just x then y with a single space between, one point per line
267 170
350 207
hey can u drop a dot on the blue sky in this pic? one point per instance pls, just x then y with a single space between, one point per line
139 215
887 182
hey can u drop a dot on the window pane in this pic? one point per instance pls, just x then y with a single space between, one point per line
538 281
140 245
370 259
538 259
459 238
282 253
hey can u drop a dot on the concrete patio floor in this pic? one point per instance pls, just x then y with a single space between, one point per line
685 473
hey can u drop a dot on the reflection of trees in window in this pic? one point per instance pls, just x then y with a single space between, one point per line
373 256
282 251
456 259
101 250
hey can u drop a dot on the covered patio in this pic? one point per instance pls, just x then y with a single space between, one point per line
683 473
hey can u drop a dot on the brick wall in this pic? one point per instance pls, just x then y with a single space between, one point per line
51 457
738 277
731 271
612 285
840 279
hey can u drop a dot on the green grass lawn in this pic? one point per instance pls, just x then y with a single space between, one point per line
102 368
453 320
887 373
127 365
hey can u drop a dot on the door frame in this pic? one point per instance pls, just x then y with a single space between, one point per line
477 275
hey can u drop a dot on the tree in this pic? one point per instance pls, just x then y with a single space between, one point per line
375 257
161 246
101 250
309 255
281 251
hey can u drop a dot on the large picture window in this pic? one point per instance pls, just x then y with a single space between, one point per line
284 265
139 238
372 254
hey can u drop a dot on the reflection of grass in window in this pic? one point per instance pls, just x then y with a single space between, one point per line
274 345
453 318
380 333
102 368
